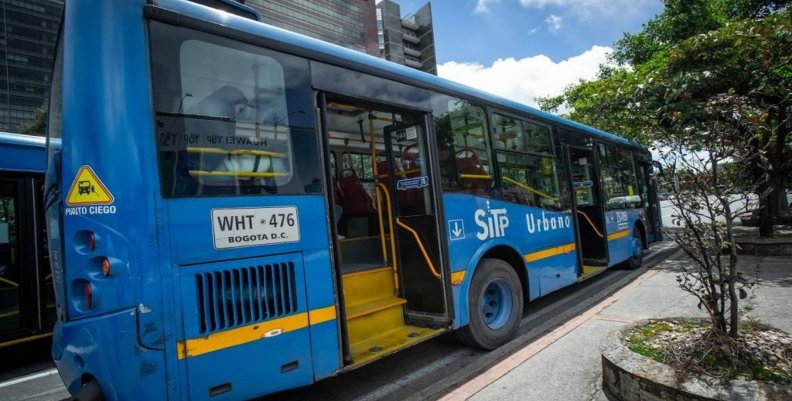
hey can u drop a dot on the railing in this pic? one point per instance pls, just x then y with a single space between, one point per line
382 189
420 245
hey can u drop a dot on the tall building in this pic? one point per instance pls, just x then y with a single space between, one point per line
408 40
28 32
350 23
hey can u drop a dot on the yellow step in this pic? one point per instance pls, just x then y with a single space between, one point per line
359 310
388 342
368 285
591 271
368 319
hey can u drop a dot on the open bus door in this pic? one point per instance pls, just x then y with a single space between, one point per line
589 213
393 289
647 179
415 216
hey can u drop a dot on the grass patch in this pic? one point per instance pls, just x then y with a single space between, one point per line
690 347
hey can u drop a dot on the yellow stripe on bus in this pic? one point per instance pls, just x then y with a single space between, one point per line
322 315
618 234
253 332
546 253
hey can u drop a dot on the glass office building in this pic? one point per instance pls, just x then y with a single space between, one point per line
350 23
28 32
408 40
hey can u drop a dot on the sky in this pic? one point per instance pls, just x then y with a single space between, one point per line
524 49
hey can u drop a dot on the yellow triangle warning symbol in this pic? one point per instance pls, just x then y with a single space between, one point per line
87 189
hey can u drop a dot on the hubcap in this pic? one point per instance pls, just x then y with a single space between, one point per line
496 304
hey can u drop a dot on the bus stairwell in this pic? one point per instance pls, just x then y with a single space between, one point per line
387 247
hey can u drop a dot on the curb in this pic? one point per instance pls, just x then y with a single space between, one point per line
628 376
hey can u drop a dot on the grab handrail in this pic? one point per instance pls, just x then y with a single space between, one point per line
236 152
420 245
529 188
382 188
244 174
599 234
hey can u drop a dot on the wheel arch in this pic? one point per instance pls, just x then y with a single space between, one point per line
502 250
639 225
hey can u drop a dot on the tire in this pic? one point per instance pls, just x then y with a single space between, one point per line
636 259
495 304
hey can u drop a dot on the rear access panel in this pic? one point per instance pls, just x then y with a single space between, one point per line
246 327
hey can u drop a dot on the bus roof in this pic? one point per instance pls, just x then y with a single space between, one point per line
335 54
24 152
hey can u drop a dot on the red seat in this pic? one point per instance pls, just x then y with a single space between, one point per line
468 163
357 201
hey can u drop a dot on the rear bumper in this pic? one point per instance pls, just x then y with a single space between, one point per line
106 348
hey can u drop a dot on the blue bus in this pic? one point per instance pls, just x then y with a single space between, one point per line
27 303
237 210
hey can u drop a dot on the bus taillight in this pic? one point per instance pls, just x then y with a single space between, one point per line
91 241
88 292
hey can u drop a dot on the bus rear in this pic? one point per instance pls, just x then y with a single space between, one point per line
186 212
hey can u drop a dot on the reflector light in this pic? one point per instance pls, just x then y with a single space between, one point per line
88 292
106 267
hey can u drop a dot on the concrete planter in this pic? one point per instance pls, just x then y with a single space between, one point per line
627 376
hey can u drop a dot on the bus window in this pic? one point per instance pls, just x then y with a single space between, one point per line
464 153
618 178
527 166
232 127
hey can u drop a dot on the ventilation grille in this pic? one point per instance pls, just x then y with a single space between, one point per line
236 297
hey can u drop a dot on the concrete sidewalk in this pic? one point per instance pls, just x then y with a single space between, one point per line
565 364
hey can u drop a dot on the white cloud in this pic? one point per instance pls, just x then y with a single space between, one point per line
482 6
532 31
554 23
589 7
525 79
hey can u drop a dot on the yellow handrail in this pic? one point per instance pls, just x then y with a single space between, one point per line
529 188
244 174
236 152
381 226
384 189
599 234
476 176
420 245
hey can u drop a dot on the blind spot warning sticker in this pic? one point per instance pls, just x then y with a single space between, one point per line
88 189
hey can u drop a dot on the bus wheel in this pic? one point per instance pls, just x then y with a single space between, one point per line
495 303
636 258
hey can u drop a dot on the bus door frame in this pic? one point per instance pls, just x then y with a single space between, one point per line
433 320
597 192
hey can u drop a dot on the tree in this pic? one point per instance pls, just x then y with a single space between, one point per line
38 124
695 52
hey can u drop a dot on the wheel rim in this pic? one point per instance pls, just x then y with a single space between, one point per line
637 247
496 304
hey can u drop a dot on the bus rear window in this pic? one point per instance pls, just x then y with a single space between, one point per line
230 118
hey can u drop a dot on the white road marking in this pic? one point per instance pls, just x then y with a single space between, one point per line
30 377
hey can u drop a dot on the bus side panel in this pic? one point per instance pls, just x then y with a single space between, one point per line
543 238
107 129
105 349
619 225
